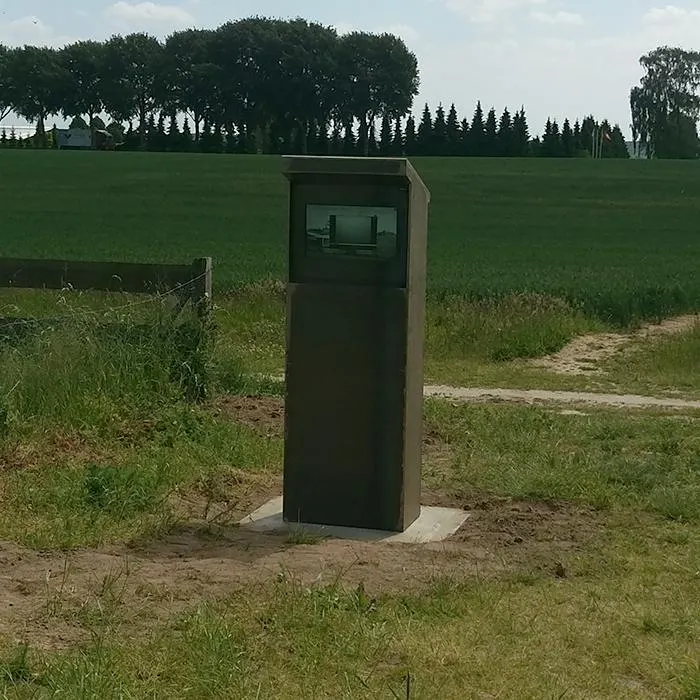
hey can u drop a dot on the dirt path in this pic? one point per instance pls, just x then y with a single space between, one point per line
476 395
583 354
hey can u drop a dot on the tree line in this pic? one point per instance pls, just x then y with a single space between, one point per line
440 134
266 85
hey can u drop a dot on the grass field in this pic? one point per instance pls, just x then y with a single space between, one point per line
617 239
122 571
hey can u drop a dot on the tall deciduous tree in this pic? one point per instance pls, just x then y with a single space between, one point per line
378 75
666 100
190 75
134 83
34 77
83 65
5 100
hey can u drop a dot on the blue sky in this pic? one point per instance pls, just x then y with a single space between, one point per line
558 58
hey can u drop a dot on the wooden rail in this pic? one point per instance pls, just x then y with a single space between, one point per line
190 283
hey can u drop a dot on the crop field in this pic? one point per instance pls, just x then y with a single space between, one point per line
124 572
620 240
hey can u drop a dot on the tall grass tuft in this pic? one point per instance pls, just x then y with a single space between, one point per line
86 372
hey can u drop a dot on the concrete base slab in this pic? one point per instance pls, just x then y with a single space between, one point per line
433 525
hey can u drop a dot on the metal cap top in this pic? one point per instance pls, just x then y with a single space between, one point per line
349 165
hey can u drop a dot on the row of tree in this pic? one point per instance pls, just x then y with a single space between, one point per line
441 134
666 104
288 78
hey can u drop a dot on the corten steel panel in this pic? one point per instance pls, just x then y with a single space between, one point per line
344 409
353 432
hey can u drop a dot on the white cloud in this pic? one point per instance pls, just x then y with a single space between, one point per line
30 30
569 19
671 15
148 16
488 10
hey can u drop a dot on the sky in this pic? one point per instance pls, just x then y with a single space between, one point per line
557 58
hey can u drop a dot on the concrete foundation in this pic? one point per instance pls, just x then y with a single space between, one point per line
433 525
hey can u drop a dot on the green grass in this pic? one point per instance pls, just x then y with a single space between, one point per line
605 459
665 366
616 239
597 634
101 443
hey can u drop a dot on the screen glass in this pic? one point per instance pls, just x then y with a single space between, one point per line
351 231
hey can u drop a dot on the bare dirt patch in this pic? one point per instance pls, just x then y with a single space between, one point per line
56 600
263 413
583 355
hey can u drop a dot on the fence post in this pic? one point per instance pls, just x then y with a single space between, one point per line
201 288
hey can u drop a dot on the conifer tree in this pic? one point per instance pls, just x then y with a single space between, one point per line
336 143
205 138
232 139
424 137
410 140
3 139
174 137
397 145
152 133
464 139
619 143
505 135
12 143
578 143
453 136
477 135
521 134
491 134
349 140
568 143
186 139
386 137
373 146
439 141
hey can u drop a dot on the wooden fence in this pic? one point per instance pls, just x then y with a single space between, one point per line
189 283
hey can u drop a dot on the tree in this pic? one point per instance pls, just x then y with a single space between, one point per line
190 75
464 138
477 135
349 140
618 145
83 65
568 144
491 134
521 134
32 85
377 75
453 135
666 99
410 139
5 98
424 136
386 137
440 145
505 135
134 81
397 146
